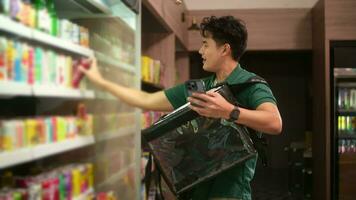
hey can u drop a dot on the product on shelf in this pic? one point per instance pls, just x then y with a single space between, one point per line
149 117
347 146
20 133
150 70
65 182
78 75
3 69
106 196
347 124
43 20
23 63
84 36
347 98
85 121
41 14
53 17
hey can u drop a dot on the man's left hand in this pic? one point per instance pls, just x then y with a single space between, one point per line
210 104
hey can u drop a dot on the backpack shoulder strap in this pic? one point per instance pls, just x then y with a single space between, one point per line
236 88
259 141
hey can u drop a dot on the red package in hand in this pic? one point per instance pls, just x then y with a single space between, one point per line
78 75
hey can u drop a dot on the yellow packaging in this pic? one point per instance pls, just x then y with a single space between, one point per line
61 129
145 60
76 182
157 71
90 175
8 135
10 56
31 134
84 37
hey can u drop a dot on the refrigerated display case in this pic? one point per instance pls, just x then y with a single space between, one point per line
343 120
57 138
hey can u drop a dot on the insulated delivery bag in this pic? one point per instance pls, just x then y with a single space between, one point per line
189 149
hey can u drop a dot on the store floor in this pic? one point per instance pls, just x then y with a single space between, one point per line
271 184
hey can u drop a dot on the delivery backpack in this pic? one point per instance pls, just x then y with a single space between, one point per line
189 149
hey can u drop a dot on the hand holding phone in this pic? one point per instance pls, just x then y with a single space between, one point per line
195 85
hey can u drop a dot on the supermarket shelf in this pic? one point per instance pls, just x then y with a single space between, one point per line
346 111
108 60
347 135
344 72
22 89
55 91
117 176
19 156
85 195
14 89
346 85
60 43
150 87
10 26
117 133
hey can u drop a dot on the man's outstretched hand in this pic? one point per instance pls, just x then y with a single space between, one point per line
93 72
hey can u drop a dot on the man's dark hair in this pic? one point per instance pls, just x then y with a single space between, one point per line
226 29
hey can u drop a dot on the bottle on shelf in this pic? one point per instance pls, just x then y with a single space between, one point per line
53 16
28 14
15 8
347 98
43 21
78 75
347 124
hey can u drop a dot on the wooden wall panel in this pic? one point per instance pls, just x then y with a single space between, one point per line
155 7
161 46
340 19
321 159
269 29
182 66
332 20
170 15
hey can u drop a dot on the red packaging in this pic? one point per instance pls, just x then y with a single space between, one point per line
101 196
46 189
78 75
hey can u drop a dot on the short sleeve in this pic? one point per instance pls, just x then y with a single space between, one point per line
260 93
176 95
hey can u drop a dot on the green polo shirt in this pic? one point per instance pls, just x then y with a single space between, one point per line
234 183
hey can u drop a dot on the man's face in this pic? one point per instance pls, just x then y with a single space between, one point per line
211 54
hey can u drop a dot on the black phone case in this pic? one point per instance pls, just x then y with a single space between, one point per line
195 85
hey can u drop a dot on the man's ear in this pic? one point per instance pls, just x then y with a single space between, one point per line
227 48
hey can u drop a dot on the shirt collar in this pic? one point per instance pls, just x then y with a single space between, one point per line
233 76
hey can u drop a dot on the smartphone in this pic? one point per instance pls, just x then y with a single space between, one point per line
195 85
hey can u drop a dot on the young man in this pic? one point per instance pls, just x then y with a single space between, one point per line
224 42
